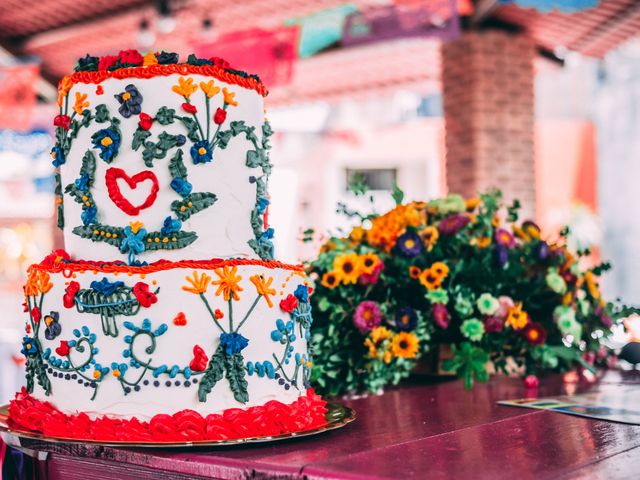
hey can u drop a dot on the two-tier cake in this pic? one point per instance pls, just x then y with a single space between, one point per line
166 317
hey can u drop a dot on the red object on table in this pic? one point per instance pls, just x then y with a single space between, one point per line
418 431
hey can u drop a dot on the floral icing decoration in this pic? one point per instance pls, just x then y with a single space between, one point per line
53 327
107 141
130 101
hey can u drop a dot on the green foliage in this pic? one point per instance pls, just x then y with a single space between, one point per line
468 362
165 116
176 166
234 365
192 203
102 113
397 194
212 375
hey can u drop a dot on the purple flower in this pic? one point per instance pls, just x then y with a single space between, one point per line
504 238
440 315
367 316
453 224
541 250
493 324
409 244
500 255
130 101
406 319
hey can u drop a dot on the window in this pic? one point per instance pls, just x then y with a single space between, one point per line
381 179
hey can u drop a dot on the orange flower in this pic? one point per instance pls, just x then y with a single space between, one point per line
228 283
81 103
405 345
369 262
430 237
414 272
440 270
63 89
185 87
376 343
430 280
330 280
199 284
262 287
37 282
209 88
592 285
229 97
470 204
516 317
149 59
349 267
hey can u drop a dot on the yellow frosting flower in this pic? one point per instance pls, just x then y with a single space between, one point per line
81 103
136 226
149 59
209 88
405 345
349 267
263 287
37 282
199 284
228 283
63 89
229 97
185 87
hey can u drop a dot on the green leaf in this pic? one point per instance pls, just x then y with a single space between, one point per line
102 113
174 241
139 136
253 159
165 116
212 375
88 232
236 377
89 166
223 137
199 201
177 168
192 128
397 194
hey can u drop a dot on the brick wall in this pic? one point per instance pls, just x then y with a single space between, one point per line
488 82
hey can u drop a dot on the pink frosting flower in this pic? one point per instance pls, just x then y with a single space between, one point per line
367 316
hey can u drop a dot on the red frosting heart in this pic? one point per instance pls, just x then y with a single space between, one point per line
111 179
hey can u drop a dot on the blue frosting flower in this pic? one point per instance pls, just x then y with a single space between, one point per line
82 183
108 142
53 326
171 225
130 101
201 152
262 204
180 140
166 58
133 242
29 348
302 293
106 287
57 156
409 244
182 187
233 342
406 319
88 215
283 332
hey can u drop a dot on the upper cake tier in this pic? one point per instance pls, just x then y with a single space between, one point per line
162 160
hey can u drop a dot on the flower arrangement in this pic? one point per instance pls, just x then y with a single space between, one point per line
465 273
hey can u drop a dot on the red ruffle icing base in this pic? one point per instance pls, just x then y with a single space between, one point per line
272 418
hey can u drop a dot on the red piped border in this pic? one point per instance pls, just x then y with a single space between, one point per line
68 267
273 418
166 70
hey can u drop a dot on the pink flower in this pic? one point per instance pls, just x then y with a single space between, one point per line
367 316
452 224
440 315
371 278
493 324
531 381
504 238
505 304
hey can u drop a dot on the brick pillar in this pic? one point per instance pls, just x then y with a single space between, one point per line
487 79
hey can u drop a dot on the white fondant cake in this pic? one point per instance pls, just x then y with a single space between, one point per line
166 310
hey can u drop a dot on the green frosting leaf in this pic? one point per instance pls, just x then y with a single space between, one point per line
236 377
212 375
102 113
199 201
177 168
139 137
165 116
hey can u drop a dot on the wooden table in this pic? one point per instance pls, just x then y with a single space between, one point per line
418 431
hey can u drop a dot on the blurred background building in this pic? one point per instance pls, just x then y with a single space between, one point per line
537 97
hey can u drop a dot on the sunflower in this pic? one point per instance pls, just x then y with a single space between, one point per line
483 242
228 283
330 280
357 234
516 318
414 272
430 237
375 341
470 204
199 284
263 287
440 270
430 280
368 262
405 345
349 267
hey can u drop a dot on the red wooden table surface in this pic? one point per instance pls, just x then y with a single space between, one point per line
417 431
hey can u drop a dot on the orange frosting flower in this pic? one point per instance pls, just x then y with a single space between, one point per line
263 287
228 282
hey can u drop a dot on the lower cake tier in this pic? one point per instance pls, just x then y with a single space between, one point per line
166 346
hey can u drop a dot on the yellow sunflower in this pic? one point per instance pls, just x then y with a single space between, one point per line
516 317
430 237
375 341
263 287
405 345
349 267
368 262
228 283
440 270
330 280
